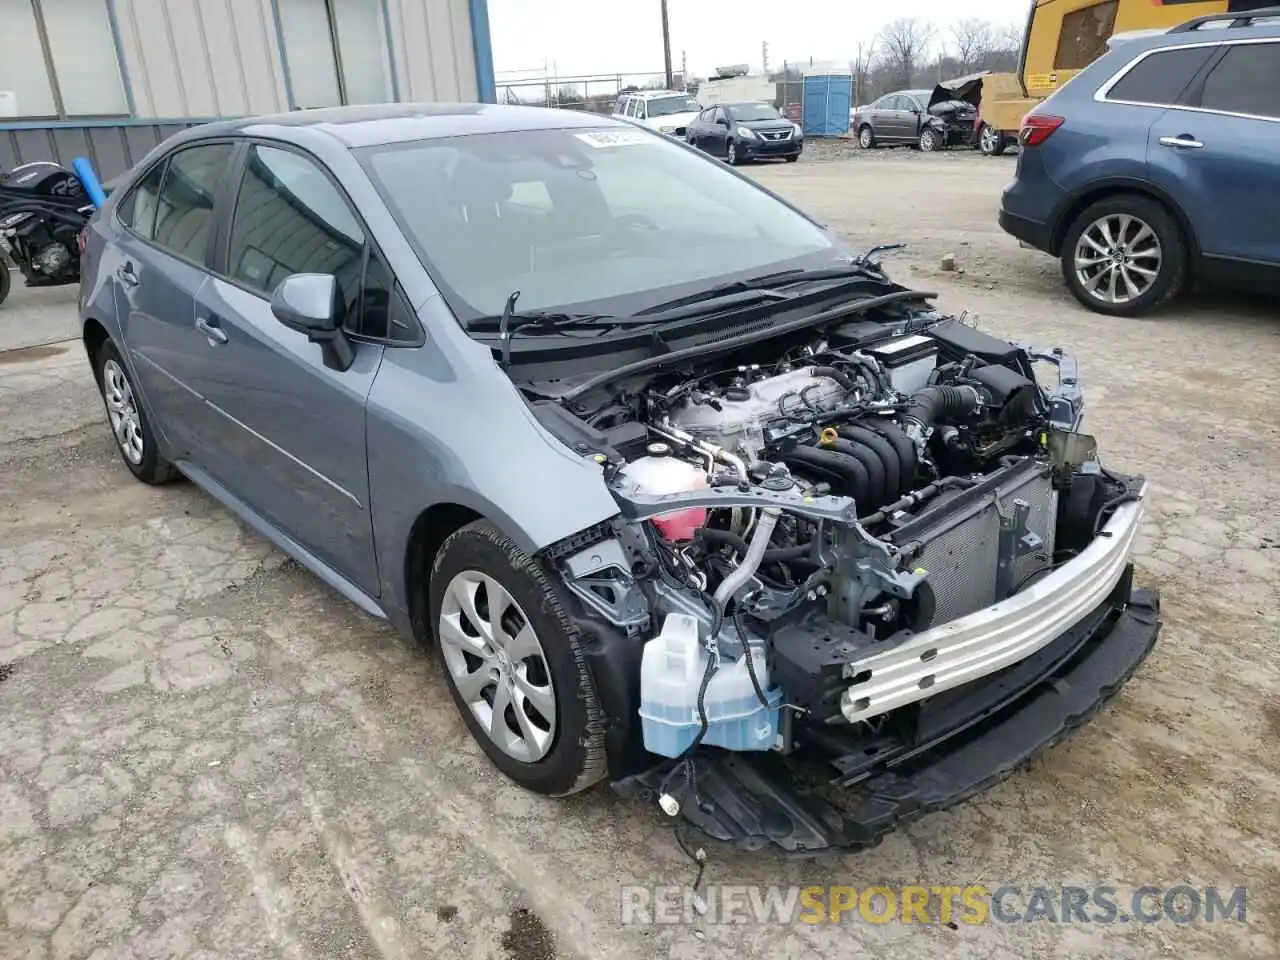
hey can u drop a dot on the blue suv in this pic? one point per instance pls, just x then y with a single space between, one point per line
1157 164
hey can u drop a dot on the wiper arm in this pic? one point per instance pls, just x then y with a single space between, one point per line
510 322
763 286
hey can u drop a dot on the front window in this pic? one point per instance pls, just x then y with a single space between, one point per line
666 106
607 220
754 111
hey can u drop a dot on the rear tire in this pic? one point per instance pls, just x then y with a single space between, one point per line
135 440
550 738
1124 246
991 141
866 137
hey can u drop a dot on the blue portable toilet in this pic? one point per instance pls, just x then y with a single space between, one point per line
828 98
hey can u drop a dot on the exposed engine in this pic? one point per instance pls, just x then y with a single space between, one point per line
837 499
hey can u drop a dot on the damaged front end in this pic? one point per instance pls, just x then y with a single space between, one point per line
857 576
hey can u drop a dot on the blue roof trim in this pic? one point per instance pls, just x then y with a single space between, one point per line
482 48
284 57
114 22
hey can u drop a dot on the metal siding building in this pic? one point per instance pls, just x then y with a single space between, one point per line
109 79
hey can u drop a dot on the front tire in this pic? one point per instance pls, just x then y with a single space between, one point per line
731 154
135 440
1124 256
929 140
515 663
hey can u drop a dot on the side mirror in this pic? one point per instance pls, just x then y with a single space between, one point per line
311 303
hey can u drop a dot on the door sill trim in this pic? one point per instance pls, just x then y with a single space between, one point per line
280 539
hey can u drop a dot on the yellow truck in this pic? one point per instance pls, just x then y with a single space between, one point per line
1065 36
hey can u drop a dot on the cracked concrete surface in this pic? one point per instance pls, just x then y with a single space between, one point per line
206 753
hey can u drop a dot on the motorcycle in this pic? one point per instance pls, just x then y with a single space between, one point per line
43 208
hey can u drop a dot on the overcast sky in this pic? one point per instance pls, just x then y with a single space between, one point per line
607 36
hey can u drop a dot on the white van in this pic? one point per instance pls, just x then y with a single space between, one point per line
667 111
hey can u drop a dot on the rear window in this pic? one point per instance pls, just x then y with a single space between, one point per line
1160 78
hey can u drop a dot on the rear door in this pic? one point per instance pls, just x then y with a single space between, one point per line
1220 156
164 246
291 430
899 122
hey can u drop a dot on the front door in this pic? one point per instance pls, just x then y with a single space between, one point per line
160 269
290 430
1219 159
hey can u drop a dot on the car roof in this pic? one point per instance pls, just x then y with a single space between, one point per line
656 94
1217 29
366 126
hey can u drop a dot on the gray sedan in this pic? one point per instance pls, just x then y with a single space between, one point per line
686 493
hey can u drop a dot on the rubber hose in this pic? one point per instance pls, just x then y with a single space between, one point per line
839 376
750 563
786 554
849 474
872 373
727 538
893 472
931 403
724 538
877 491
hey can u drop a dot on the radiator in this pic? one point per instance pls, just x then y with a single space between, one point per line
962 542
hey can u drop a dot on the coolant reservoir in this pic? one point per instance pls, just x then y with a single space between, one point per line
659 474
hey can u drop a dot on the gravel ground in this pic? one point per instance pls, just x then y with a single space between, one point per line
206 753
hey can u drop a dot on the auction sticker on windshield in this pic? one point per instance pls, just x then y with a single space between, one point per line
614 138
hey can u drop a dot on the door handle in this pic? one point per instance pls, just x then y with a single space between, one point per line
1185 140
127 276
209 327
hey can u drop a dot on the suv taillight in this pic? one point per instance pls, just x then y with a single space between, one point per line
1037 128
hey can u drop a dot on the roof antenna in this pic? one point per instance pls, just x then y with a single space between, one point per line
504 332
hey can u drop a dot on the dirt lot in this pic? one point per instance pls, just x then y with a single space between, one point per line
207 753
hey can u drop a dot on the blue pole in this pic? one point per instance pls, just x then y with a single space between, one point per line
89 178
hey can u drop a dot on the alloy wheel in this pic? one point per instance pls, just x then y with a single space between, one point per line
498 666
928 141
864 138
732 155
990 137
1118 258
122 411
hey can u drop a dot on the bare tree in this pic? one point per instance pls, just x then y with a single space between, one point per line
904 46
974 40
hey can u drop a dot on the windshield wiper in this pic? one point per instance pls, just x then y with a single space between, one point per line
767 286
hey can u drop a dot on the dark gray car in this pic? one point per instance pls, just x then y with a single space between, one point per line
685 492
929 119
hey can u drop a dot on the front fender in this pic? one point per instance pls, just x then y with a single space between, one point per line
450 428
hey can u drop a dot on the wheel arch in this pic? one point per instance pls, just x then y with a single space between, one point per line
1120 187
93 334
427 535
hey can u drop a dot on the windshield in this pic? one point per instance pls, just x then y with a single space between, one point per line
666 106
615 218
754 111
